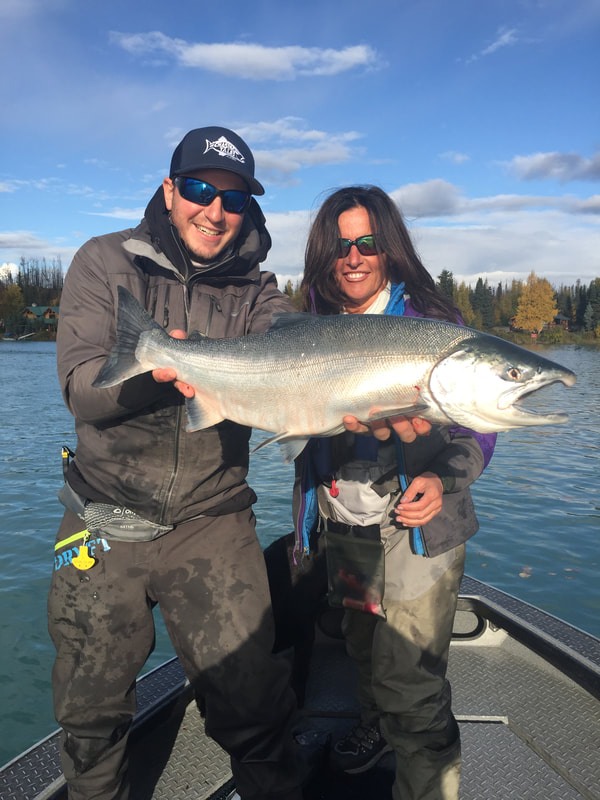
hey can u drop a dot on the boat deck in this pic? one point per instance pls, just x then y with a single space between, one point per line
526 694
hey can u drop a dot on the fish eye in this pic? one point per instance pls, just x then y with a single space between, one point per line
514 373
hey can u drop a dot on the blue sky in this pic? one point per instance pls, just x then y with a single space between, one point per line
480 117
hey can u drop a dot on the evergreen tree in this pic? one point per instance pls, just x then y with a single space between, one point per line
594 300
445 283
481 301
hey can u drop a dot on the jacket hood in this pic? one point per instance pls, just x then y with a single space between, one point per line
250 248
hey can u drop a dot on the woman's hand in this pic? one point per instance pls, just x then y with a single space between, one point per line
421 501
407 428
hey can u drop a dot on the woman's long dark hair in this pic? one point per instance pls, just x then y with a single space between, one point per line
319 289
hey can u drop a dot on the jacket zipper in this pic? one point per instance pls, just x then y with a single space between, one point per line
180 408
214 305
417 542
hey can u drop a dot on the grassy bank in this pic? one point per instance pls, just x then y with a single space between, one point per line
556 336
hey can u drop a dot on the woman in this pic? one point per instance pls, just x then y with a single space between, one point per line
409 501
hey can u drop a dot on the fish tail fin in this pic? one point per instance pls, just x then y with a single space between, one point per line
122 363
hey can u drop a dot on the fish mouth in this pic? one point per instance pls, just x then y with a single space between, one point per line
510 402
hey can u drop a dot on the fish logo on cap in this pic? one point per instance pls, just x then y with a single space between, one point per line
225 149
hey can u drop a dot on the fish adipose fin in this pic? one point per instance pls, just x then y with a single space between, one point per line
199 416
132 321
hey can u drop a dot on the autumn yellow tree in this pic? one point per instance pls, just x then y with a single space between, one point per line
11 300
537 305
463 303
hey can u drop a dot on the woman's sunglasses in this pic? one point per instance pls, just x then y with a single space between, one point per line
203 193
367 246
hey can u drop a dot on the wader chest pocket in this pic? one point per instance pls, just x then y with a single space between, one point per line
355 572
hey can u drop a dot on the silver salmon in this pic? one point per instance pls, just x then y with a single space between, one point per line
302 376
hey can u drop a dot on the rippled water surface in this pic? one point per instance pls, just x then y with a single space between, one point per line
538 506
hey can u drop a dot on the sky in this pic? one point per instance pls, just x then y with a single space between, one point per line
479 117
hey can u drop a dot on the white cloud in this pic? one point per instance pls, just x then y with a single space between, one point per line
244 60
438 198
502 246
8 270
289 232
277 166
505 37
432 198
15 245
17 239
121 213
291 129
454 157
316 147
563 167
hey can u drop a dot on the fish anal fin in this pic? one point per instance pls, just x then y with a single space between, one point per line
291 446
199 415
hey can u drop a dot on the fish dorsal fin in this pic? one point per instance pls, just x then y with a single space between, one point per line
288 319
199 416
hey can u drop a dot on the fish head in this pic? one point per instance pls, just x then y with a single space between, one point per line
479 384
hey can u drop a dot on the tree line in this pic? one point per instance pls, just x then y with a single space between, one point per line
531 306
36 283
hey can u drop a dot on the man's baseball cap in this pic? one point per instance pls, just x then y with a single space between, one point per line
215 148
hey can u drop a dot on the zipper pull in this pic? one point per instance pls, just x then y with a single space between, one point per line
83 560
333 490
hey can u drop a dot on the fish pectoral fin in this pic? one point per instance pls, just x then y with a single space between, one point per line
415 410
199 416
291 446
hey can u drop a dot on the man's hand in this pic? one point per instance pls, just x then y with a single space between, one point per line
166 374
407 428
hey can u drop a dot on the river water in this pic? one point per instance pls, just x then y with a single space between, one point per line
538 505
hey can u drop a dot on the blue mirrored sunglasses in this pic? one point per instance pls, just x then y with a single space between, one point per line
367 245
203 193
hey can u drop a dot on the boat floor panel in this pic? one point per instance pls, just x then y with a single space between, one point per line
529 732
518 740
543 707
179 761
497 764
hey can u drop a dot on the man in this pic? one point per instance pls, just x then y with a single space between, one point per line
157 515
